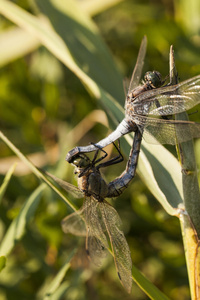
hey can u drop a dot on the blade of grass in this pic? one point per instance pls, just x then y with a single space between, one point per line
65 49
147 286
93 8
6 181
2 262
192 253
18 225
84 43
48 37
60 292
166 188
15 43
190 219
52 288
36 171
150 289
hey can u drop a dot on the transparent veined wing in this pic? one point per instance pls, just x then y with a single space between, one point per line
167 131
75 223
137 72
119 245
169 100
73 190
96 241
87 222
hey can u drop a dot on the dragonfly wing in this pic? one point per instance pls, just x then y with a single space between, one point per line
119 245
73 190
74 223
137 72
96 241
95 249
167 131
169 100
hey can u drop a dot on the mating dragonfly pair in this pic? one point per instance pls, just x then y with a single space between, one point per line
148 111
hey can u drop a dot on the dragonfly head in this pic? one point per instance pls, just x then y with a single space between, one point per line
82 164
81 161
153 79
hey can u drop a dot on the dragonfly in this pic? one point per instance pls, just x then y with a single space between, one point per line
97 219
148 110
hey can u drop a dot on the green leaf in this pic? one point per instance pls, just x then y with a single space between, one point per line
15 43
107 76
81 40
188 14
52 288
2 262
6 181
161 172
35 170
60 292
190 214
18 225
150 289
95 7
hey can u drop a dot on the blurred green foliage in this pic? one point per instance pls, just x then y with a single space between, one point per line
41 101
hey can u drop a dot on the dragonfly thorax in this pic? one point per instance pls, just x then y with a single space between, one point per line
92 184
135 92
152 80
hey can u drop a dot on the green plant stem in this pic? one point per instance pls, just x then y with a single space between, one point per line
190 215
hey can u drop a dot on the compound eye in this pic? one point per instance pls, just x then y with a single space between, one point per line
153 79
81 161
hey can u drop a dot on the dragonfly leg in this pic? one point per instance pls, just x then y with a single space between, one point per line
94 160
115 160
110 162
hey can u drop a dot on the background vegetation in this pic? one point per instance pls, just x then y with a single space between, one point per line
46 109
